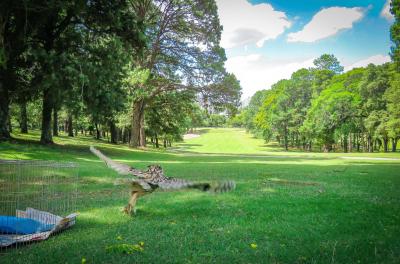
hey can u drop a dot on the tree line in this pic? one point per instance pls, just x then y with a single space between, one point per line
129 70
322 107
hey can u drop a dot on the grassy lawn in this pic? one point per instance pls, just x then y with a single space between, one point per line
293 207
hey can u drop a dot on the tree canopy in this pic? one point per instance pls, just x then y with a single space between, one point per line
100 66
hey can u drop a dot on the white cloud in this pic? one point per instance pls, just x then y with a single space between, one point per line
245 23
326 23
256 72
385 13
376 59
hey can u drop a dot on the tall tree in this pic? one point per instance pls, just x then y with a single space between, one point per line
14 33
328 62
183 39
392 96
395 32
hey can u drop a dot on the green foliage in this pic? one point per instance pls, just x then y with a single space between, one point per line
102 88
395 32
354 110
216 120
328 62
238 120
93 61
168 116
250 111
392 97
335 108
223 95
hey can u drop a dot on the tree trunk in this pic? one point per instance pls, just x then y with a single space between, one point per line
378 144
10 128
55 122
345 146
385 144
157 145
46 137
350 143
124 135
286 139
23 118
328 147
97 131
142 132
4 109
394 144
370 146
113 132
70 127
138 137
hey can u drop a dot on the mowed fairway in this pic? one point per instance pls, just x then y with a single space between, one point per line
287 208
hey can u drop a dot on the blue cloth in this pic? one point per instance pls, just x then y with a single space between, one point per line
22 226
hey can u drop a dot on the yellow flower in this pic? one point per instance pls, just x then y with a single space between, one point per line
253 245
141 243
83 261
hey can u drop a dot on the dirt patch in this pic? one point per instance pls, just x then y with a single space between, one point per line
288 182
368 158
189 136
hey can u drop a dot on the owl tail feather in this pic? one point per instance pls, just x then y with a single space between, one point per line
219 187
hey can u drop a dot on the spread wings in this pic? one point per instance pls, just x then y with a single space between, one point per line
121 168
154 178
118 167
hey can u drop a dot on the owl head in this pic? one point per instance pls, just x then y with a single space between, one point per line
154 169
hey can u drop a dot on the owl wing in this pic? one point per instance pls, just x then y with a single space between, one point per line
118 167
217 187
136 185
147 183
121 168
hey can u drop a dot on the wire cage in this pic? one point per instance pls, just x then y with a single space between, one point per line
37 199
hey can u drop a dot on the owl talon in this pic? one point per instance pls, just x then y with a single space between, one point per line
127 210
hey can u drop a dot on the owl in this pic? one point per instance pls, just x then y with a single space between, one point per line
147 181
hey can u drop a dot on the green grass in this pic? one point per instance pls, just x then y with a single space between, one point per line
296 207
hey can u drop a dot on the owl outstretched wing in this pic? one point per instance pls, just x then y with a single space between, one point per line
154 178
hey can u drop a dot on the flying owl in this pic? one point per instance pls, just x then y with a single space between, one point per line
145 182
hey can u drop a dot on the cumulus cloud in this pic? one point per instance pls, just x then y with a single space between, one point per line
376 59
246 24
257 72
385 13
326 23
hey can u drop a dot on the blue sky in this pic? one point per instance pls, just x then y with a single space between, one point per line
267 40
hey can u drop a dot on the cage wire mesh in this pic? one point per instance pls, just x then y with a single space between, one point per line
35 196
